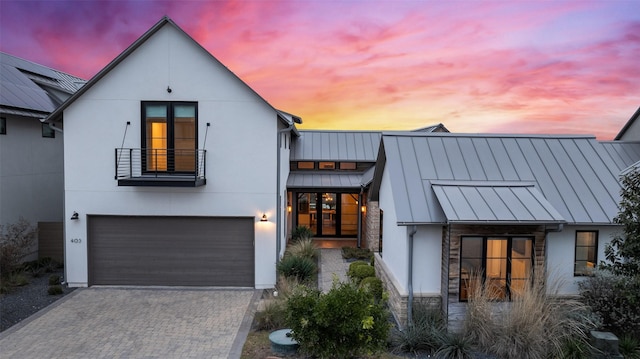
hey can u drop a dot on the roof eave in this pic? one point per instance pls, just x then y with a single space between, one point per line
626 126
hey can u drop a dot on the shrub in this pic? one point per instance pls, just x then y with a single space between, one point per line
16 240
55 290
33 268
615 298
535 324
303 248
54 279
426 333
629 347
373 285
300 233
576 348
455 346
343 323
15 279
358 273
357 253
273 315
301 268
357 263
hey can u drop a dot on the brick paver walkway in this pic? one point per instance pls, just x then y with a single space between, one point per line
331 263
133 323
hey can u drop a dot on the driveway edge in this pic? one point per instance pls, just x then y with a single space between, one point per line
245 326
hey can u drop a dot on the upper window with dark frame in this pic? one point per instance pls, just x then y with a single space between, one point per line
169 136
47 131
504 264
586 253
3 126
306 165
327 165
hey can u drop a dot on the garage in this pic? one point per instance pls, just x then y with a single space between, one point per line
171 251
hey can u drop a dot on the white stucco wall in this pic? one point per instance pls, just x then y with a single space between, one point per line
241 147
30 173
394 237
427 255
561 254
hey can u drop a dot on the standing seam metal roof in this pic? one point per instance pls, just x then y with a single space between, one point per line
576 174
335 146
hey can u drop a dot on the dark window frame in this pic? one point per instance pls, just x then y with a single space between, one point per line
483 258
3 126
584 273
170 130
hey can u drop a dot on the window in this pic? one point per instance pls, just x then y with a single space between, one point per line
586 250
503 263
169 136
327 165
305 165
47 131
3 126
347 165
380 232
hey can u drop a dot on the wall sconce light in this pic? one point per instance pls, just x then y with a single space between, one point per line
363 209
169 89
74 216
289 207
264 218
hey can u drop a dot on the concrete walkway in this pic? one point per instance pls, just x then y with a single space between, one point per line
136 323
331 265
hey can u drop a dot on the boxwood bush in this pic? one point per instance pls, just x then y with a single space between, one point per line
360 272
373 285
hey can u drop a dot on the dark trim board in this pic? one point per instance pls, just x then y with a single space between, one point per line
171 251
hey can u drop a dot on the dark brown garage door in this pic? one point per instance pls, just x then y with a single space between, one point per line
173 251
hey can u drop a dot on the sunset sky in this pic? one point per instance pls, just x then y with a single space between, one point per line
475 66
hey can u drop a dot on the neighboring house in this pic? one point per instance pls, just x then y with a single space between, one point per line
631 130
175 171
502 205
31 161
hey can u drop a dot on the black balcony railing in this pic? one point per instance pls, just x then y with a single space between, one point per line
160 167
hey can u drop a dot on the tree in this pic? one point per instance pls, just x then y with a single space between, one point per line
623 253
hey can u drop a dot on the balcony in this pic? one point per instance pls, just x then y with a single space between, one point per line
160 167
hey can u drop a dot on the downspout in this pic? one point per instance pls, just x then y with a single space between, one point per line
360 204
414 229
278 196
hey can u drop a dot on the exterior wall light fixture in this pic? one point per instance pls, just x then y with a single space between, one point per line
74 216
289 207
264 218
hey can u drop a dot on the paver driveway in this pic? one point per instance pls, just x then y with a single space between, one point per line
136 323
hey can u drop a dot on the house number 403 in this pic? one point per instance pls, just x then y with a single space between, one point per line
76 240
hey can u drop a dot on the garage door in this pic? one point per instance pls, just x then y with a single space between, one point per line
173 251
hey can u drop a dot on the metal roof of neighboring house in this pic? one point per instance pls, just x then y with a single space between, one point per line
493 202
284 117
301 180
627 125
576 174
434 128
32 90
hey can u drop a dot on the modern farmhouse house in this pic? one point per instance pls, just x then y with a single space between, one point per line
177 173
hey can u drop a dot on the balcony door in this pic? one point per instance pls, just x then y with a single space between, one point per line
169 137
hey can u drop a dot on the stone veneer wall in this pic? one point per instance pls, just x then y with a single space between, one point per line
398 302
372 226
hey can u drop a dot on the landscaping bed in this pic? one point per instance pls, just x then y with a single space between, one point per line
23 301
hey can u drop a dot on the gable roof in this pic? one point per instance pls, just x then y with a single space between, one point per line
575 174
32 90
628 125
165 21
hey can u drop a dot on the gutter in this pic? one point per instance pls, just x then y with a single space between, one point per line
360 204
51 126
414 229
278 196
